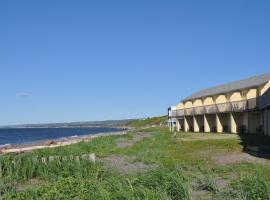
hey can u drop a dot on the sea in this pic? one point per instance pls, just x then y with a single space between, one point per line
11 136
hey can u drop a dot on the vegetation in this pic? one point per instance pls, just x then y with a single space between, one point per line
188 168
154 121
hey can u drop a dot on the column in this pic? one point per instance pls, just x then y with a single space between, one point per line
178 125
206 124
186 125
195 125
218 124
232 124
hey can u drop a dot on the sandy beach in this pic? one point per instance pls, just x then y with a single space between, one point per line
21 148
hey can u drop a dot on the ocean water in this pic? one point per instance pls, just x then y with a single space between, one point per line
30 135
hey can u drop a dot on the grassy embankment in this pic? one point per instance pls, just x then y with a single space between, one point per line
189 167
154 121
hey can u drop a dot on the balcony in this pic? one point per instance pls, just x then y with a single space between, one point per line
199 110
189 111
237 106
173 113
211 109
223 107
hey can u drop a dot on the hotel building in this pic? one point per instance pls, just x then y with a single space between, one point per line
238 107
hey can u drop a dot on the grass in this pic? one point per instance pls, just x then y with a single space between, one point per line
154 121
186 170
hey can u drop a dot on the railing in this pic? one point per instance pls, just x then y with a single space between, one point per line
210 109
173 113
189 111
237 106
223 107
180 112
199 110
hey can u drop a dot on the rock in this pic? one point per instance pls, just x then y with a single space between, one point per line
50 142
92 157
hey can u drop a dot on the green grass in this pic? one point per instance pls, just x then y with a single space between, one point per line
186 166
154 121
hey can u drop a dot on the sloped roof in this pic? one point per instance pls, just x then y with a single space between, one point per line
251 82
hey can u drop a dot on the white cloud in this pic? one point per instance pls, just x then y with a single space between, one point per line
23 94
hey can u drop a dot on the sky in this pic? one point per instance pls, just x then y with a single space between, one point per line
64 61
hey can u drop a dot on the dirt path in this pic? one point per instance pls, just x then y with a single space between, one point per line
126 164
238 158
123 143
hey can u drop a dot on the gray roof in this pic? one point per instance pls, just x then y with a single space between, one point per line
251 82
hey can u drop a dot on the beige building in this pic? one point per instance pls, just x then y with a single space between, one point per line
238 107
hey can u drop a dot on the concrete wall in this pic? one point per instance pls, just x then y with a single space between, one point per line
221 99
197 103
180 106
250 94
235 96
188 104
208 101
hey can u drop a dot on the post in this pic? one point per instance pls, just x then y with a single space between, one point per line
196 127
206 124
218 124
178 125
186 125
232 124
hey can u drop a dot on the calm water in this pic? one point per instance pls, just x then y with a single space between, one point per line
29 135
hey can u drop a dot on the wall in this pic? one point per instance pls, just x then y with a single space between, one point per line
221 99
208 101
197 103
180 106
235 96
188 104
252 93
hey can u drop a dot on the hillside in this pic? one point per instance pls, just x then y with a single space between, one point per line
154 121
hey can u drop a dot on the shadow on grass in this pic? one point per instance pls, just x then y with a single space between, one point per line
256 145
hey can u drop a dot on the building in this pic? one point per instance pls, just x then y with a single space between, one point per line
172 120
238 107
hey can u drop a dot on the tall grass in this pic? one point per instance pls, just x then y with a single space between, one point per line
84 180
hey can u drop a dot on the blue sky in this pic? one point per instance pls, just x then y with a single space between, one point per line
80 60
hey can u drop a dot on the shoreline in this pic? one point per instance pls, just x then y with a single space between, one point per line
21 148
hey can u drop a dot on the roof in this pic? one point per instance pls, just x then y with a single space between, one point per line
251 82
